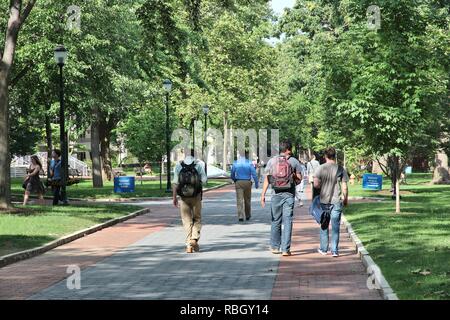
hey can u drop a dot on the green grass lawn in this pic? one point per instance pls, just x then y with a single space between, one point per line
34 226
84 190
412 248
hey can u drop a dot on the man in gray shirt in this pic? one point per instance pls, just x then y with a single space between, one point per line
282 202
334 192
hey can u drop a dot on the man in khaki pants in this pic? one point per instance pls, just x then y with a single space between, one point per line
242 173
189 177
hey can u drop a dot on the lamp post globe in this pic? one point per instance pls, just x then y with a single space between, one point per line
60 55
167 85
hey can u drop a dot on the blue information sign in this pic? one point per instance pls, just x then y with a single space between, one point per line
124 184
408 170
372 181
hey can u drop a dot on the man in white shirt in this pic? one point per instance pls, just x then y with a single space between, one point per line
312 166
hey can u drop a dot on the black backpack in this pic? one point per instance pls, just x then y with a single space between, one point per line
190 184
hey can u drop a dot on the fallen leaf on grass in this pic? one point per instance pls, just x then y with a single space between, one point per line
398 261
424 272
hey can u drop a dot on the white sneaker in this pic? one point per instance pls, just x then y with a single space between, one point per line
321 252
335 254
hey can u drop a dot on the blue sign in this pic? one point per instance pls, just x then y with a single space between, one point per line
372 181
408 170
124 184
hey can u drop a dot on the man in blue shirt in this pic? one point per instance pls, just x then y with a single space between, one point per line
55 174
242 173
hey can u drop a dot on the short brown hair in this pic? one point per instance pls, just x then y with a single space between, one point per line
285 146
58 152
330 153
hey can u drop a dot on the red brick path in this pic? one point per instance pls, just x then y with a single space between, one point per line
308 275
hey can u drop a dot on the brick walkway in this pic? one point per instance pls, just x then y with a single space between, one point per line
309 275
144 258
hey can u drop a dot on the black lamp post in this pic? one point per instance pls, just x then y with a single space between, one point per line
60 55
205 112
167 84
193 136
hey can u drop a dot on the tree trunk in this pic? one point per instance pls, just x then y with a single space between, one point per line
395 173
105 128
97 179
397 196
105 152
441 174
5 160
48 137
225 141
5 67
160 173
15 21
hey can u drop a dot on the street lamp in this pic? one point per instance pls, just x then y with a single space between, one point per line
205 112
167 85
193 135
60 55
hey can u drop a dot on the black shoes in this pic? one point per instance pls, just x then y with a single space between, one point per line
248 218
241 220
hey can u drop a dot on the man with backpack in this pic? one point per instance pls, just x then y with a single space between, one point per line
188 180
283 172
333 198
242 173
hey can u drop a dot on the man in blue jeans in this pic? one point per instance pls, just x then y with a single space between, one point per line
282 172
334 192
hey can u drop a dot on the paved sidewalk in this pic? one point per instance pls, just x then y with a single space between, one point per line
234 262
144 258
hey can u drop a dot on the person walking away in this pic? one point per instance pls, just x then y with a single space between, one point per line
282 173
189 178
242 173
312 165
300 188
262 168
55 175
32 182
332 181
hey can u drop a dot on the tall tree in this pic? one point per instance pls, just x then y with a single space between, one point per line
391 83
18 14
